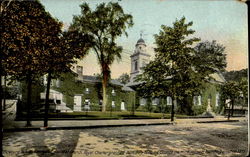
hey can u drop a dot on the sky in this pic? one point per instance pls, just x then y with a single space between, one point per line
222 20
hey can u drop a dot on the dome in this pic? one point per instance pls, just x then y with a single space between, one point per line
140 41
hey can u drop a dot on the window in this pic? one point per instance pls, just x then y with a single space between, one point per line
87 105
155 101
57 83
123 106
87 91
217 99
45 80
78 100
143 63
79 69
136 66
169 100
113 92
113 104
228 101
87 101
58 101
142 101
197 100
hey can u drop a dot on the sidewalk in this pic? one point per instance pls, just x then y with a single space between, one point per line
11 126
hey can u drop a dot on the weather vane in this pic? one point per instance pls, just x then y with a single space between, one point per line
141 33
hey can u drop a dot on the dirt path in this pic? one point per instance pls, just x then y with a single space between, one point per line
181 140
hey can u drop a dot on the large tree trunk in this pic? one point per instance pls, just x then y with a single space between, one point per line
1 91
1 114
232 111
188 105
172 110
185 106
104 90
133 105
46 114
29 89
4 93
228 115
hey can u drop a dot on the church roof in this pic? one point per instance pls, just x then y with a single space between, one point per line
126 88
217 78
140 41
96 79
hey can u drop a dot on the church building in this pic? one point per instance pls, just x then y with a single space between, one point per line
138 59
210 97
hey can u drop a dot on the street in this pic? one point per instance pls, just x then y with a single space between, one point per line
191 139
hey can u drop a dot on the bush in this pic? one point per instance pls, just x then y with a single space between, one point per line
197 110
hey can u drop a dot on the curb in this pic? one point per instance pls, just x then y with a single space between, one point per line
218 121
79 127
102 126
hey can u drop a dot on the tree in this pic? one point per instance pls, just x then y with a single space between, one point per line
176 70
230 90
179 70
174 48
155 80
148 105
124 78
36 49
104 25
19 42
173 72
243 86
235 75
3 8
52 59
210 57
60 53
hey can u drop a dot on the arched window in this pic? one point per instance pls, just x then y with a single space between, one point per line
136 66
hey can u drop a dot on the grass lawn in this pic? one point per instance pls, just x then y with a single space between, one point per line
92 115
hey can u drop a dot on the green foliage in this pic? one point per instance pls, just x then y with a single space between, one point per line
28 46
230 90
124 78
197 110
212 55
243 85
172 73
209 92
154 80
179 70
235 75
161 107
69 86
103 25
149 106
96 115
27 39
240 83
37 88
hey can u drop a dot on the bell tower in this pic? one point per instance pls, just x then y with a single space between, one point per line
138 59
